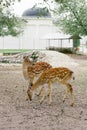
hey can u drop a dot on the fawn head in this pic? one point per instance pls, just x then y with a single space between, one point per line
26 58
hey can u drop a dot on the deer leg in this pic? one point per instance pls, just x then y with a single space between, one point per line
70 90
43 97
30 83
65 95
49 93
41 89
27 98
45 94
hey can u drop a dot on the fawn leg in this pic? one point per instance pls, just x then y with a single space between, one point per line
46 94
65 95
43 97
49 93
41 89
30 83
70 90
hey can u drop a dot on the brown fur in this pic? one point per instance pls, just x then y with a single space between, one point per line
30 71
60 74
37 69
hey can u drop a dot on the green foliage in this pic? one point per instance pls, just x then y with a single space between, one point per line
9 23
71 16
7 3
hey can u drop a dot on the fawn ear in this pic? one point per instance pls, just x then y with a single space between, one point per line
26 57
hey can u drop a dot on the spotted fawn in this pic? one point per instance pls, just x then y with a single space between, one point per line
60 74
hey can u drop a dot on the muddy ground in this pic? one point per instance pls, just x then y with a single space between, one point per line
18 114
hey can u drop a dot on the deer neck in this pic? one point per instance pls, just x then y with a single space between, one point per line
24 68
36 85
26 64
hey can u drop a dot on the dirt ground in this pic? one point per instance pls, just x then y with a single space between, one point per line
18 114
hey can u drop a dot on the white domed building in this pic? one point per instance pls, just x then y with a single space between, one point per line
39 33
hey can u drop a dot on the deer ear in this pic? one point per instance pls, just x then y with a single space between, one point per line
24 56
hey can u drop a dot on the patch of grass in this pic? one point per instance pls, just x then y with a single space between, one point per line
15 51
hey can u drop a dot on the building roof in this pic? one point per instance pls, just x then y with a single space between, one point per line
56 36
36 12
75 37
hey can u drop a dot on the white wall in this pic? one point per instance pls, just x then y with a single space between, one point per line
35 36
32 36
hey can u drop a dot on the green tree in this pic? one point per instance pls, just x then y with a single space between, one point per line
71 16
9 23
